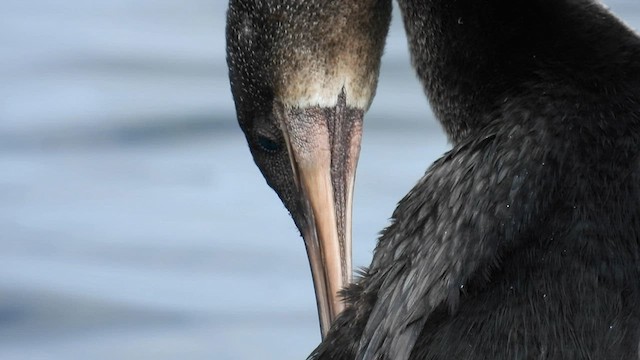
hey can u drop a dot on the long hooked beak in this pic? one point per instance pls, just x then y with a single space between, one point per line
324 146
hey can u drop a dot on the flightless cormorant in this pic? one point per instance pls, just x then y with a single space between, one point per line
523 241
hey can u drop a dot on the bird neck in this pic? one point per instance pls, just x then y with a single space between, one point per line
473 56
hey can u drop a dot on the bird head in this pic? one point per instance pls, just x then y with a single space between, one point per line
303 73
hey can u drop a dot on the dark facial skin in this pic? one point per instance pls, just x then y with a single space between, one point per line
303 72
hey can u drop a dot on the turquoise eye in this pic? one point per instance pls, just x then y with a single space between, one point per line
267 144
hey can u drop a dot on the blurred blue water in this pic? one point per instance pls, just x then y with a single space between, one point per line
133 223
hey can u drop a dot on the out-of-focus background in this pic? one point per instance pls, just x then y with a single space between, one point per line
133 223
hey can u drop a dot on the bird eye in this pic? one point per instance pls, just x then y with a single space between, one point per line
268 144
